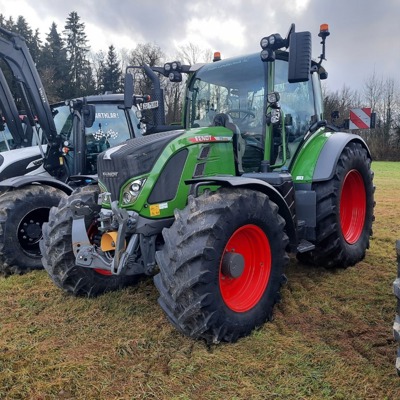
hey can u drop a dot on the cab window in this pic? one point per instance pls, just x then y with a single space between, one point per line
297 103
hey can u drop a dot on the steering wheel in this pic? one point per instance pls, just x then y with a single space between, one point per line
247 114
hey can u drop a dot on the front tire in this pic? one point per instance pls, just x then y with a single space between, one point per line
345 212
58 257
221 267
22 214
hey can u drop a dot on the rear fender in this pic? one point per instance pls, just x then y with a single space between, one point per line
330 153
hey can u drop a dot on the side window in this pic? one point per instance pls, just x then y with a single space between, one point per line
63 121
297 103
6 141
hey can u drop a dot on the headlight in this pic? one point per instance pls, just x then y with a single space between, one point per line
104 196
132 190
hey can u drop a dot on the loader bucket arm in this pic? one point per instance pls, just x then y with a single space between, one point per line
10 113
14 51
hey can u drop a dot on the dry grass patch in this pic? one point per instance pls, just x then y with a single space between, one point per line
331 337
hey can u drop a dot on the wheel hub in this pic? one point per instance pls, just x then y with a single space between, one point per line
232 265
32 230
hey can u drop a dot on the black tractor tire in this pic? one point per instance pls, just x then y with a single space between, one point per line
22 214
345 212
57 254
396 324
221 267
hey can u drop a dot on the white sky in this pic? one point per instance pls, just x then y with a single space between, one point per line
363 33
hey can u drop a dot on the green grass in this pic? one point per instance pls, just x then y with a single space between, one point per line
331 337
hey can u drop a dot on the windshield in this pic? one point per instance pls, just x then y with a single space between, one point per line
109 129
110 125
234 87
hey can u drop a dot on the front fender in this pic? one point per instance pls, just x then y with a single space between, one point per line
21 181
261 186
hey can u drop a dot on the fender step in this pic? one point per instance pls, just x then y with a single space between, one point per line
305 246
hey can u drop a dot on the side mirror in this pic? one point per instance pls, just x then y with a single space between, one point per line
299 57
128 91
89 115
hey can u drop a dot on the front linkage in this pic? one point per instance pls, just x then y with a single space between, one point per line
112 254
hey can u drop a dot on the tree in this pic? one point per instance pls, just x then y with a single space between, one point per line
173 92
112 72
337 104
98 66
192 54
145 53
32 40
77 50
53 66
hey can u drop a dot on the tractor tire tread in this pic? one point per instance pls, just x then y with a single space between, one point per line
13 259
184 262
57 253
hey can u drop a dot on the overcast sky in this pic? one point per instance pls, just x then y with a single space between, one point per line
364 34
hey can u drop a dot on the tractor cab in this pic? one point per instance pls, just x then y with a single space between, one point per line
111 125
238 88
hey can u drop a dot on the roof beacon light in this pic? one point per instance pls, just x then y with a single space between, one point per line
323 34
217 56
324 30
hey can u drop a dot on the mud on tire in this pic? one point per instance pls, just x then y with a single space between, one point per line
215 231
345 206
58 257
22 213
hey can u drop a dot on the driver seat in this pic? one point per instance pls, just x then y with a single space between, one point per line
239 144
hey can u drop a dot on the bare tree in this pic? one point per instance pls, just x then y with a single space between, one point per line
337 104
149 54
383 97
192 54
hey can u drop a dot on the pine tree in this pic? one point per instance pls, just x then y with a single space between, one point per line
112 72
77 50
32 40
53 66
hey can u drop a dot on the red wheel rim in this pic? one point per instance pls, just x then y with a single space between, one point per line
353 204
91 232
244 292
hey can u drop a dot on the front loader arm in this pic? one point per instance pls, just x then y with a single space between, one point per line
14 51
10 113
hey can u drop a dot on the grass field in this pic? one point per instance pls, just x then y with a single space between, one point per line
331 337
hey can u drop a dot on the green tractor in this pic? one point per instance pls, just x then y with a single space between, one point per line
213 210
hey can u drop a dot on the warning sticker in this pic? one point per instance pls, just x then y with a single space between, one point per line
154 210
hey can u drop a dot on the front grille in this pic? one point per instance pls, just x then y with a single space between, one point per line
134 158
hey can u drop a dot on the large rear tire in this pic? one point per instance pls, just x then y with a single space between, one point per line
396 325
221 267
57 253
22 214
345 212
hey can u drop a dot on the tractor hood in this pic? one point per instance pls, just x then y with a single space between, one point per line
20 161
